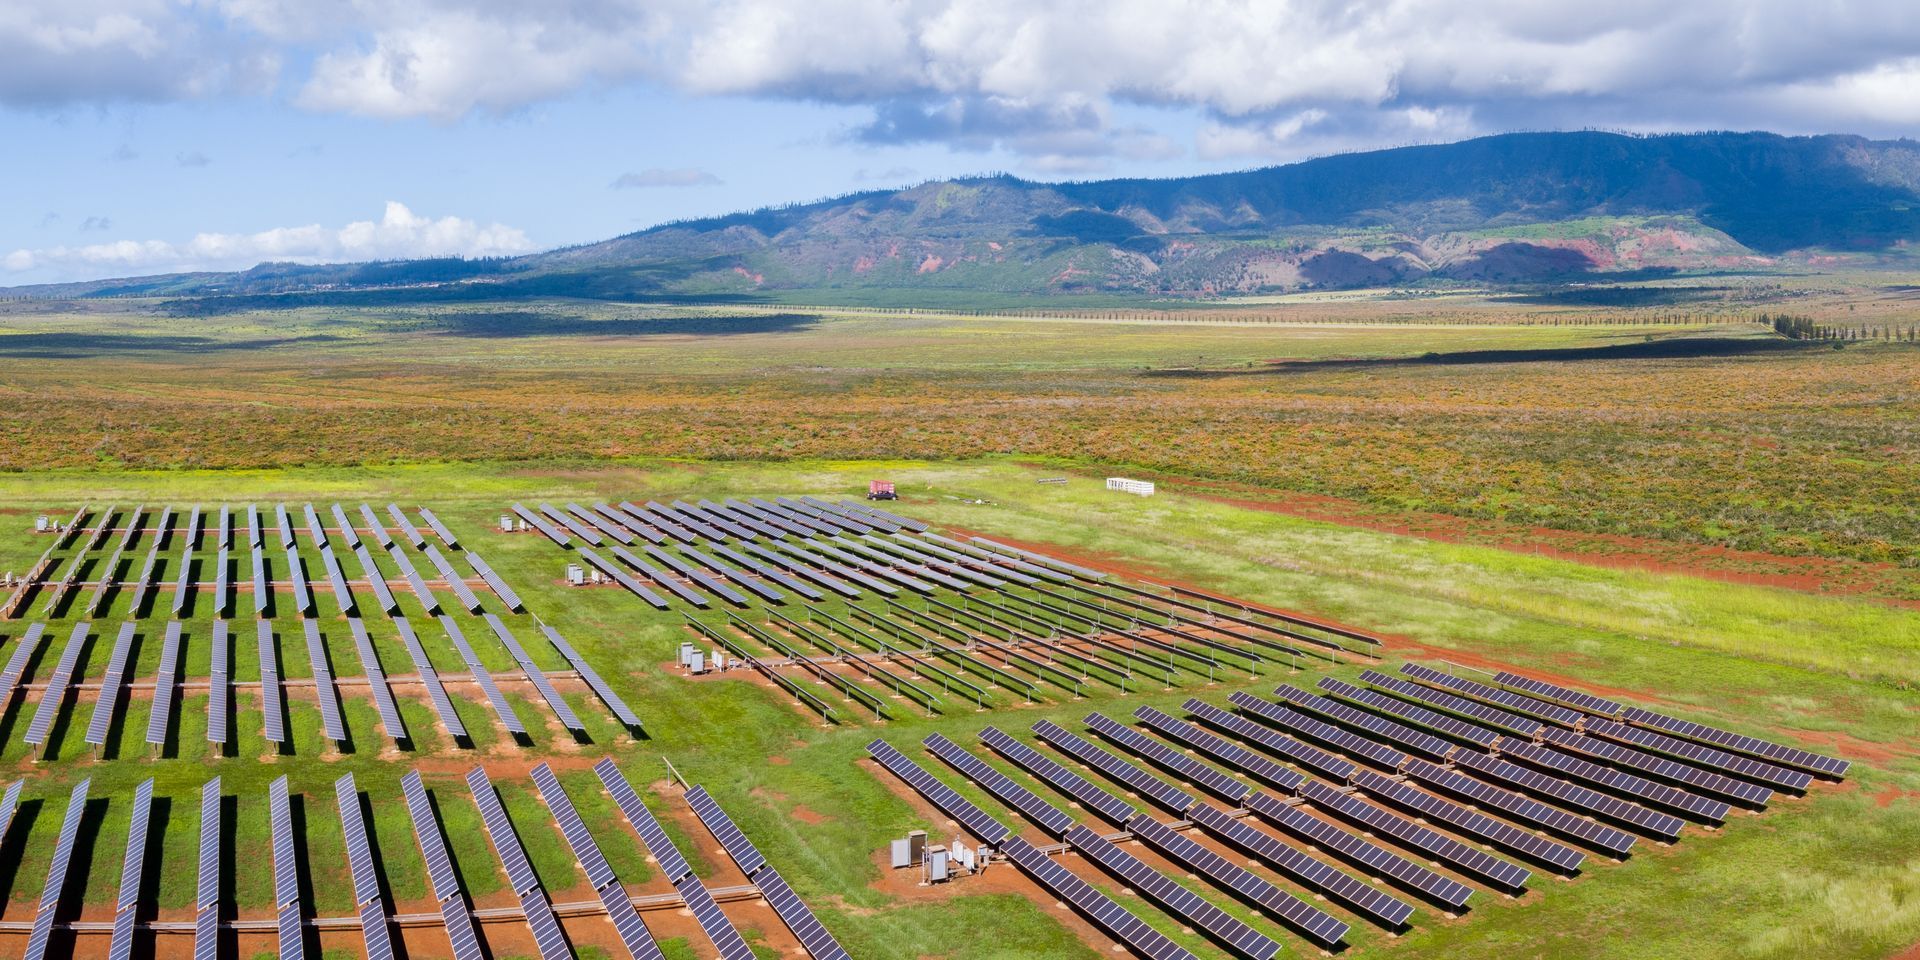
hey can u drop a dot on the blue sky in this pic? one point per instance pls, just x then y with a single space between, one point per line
156 135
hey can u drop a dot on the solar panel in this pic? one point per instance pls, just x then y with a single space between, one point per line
206 934
1306 755
739 849
459 926
1619 756
314 527
436 691
376 526
323 688
17 662
1382 862
346 527
1361 897
226 528
1179 900
718 928
1569 795
164 681
353 828
337 580
1383 823
506 843
547 937
585 851
405 526
1096 906
292 946
207 892
1161 755
1083 791
665 854
414 583
501 708
55 692
975 820
110 684
613 701
453 579
1231 754
57 873
1752 746
800 920
183 582
494 583
1438 810
1381 703
539 523
219 692
620 577
1520 808
1226 875
286 882
577 528
297 573
375 579
284 524
433 845
440 529
1136 779
377 680
9 805
262 587
134 862
1560 694
374 933
1489 716
1539 709
1377 727
626 924
120 947
561 709
1049 817
1701 755
598 522
222 584
1620 783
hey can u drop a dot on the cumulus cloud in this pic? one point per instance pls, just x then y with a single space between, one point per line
1038 77
399 233
661 177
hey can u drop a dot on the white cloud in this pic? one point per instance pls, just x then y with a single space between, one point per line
1026 75
661 177
398 234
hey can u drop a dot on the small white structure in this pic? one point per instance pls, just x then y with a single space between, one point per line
1139 488
43 524
575 575
506 522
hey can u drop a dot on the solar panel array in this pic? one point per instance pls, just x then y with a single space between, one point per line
586 852
1701 755
1570 795
1377 727
1190 906
55 692
1135 779
1441 700
323 688
23 649
561 709
1096 906
1146 748
273 711
440 873
1473 734
975 820
1752 746
1049 817
1538 709
1517 807
1559 694
1332 839
665 855
110 687
366 880
1622 784
1626 757
132 867
1306 755
547 936
1446 849
286 879
42 932
718 928
501 708
164 683
1387 910
1459 819
377 681
206 921
1088 795
739 849
219 691
1316 923
1231 754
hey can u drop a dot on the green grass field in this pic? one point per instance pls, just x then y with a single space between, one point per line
1837 873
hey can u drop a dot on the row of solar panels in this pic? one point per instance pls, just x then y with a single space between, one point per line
295 571
1402 803
167 681
371 898
846 548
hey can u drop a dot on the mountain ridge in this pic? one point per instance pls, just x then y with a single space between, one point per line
1507 208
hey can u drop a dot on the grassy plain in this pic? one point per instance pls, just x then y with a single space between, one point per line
1835 873
1687 423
